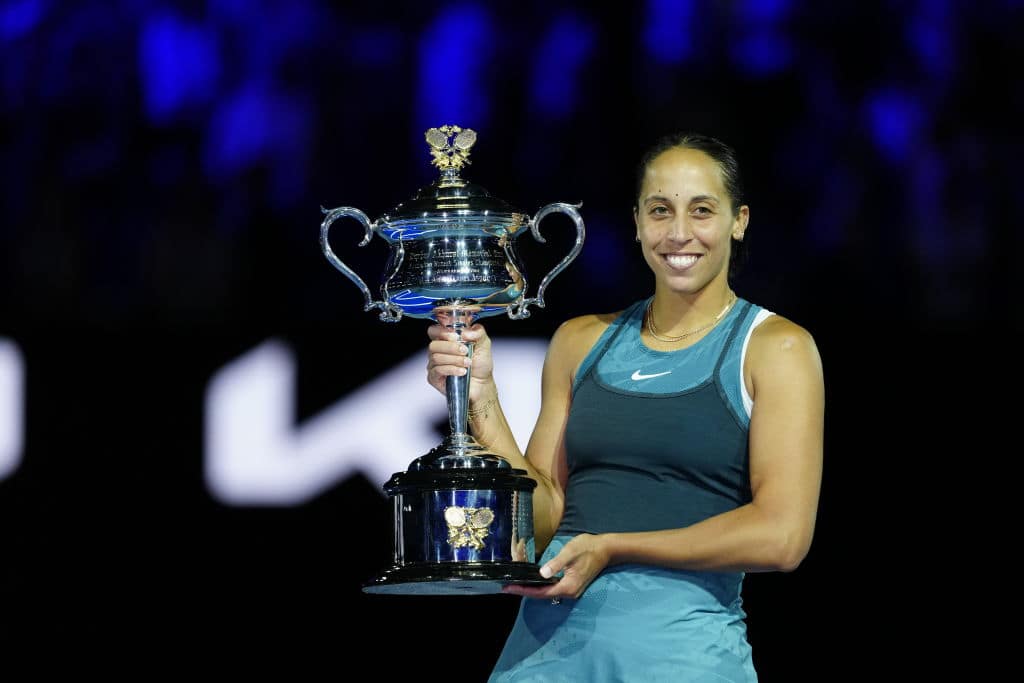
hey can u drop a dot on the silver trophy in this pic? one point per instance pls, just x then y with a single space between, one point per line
463 516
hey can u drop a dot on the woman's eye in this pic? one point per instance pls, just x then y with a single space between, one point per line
659 210
701 211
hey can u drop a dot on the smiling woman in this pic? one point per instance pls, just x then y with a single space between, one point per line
679 446
685 219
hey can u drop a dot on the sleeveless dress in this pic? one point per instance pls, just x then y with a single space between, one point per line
655 440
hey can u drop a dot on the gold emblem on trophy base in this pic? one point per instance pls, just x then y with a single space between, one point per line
468 526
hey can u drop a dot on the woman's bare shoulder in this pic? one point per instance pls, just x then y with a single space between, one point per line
779 336
584 326
576 336
776 328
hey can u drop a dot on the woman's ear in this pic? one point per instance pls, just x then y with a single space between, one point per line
739 225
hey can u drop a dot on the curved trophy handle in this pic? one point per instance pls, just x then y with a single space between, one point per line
389 313
520 309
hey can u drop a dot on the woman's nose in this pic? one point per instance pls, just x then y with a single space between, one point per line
679 231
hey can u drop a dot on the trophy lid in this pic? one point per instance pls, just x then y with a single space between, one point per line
451 198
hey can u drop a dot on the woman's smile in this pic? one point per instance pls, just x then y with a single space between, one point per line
680 262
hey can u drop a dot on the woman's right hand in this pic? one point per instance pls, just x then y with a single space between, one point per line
447 357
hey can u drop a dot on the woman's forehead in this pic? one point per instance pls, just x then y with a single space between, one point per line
679 171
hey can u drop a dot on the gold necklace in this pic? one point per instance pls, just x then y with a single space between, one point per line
649 319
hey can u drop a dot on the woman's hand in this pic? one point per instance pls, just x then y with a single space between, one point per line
447 357
581 560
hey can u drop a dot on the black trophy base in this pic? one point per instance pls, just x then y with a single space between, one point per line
456 578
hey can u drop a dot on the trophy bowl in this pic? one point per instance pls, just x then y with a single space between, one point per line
462 515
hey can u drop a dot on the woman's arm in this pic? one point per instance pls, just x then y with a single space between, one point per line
771 533
544 460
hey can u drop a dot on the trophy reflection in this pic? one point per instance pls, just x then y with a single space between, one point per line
462 515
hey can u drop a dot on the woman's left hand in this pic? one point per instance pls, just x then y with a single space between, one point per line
580 560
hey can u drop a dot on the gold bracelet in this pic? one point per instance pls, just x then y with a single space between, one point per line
482 410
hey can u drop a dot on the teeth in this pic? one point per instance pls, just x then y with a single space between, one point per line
680 261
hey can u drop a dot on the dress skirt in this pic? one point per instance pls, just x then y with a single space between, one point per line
633 623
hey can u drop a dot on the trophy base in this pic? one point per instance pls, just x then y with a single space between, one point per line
456 578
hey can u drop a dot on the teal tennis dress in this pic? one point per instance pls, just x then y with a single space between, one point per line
655 440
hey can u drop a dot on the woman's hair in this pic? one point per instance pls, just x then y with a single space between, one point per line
723 155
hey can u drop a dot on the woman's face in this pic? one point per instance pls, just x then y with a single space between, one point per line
685 222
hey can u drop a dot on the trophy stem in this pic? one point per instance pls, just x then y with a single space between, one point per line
457 393
459 449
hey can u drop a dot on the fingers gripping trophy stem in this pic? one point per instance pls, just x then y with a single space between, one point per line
457 390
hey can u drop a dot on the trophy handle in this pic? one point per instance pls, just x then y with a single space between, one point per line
519 310
389 313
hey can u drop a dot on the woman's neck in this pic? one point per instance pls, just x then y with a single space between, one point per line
675 317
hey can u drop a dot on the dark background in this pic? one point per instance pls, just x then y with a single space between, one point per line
163 166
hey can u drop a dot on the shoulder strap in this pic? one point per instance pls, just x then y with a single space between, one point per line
737 325
610 335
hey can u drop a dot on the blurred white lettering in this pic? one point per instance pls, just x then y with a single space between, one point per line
255 454
12 399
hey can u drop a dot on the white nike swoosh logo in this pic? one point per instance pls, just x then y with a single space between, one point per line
636 375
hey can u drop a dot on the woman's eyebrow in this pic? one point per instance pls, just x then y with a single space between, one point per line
704 198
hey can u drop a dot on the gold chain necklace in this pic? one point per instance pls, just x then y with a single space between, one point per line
649 319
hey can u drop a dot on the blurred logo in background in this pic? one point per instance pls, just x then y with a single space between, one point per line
12 406
256 454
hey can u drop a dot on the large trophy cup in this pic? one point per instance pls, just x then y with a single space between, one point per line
463 516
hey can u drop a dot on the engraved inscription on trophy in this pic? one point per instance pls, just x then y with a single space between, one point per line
453 262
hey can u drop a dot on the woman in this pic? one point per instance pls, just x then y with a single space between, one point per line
678 446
